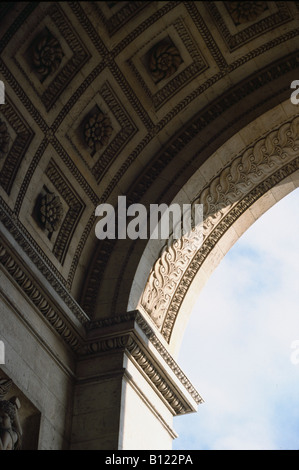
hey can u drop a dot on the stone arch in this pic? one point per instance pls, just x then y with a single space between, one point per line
240 187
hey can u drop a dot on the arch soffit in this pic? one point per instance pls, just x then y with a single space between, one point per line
233 181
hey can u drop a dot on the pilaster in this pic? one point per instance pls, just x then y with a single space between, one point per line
128 388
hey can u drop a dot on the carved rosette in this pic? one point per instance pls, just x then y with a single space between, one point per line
47 55
164 60
244 12
4 139
97 131
51 211
165 286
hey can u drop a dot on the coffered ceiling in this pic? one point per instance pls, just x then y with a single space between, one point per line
123 98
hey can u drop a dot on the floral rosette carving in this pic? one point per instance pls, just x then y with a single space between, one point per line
4 139
164 61
97 131
51 211
47 55
244 12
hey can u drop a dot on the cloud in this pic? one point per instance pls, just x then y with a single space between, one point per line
237 346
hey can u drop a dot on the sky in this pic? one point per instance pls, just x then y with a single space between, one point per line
238 347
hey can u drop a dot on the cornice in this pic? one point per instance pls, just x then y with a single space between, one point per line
26 243
34 293
152 358
119 334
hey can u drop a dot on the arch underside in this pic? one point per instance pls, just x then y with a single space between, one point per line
227 92
160 102
259 177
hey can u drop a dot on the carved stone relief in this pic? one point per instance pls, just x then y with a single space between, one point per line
223 193
49 55
256 17
10 427
97 131
93 65
244 12
4 139
169 61
115 15
46 54
15 137
164 61
50 211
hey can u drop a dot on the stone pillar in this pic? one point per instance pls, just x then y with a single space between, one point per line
128 388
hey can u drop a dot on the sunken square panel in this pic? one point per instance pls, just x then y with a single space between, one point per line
167 63
101 131
51 56
15 138
241 22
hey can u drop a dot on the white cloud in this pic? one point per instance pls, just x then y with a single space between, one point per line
237 347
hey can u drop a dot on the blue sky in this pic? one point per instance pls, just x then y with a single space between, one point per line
237 350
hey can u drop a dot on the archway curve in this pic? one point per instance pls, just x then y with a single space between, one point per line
237 346
239 183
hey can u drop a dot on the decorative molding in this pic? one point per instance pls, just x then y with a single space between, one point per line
245 12
29 246
97 131
164 60
234 41
46 54
14 149
116 139
74 64
63 18
110 62
35 294
167 283
50 211
72 217
157 378
119 18
204 117
213 239
129 341
4 139
176 75
122 138
61 72
18 22
198 124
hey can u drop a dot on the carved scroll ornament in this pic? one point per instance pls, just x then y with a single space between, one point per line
234 182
